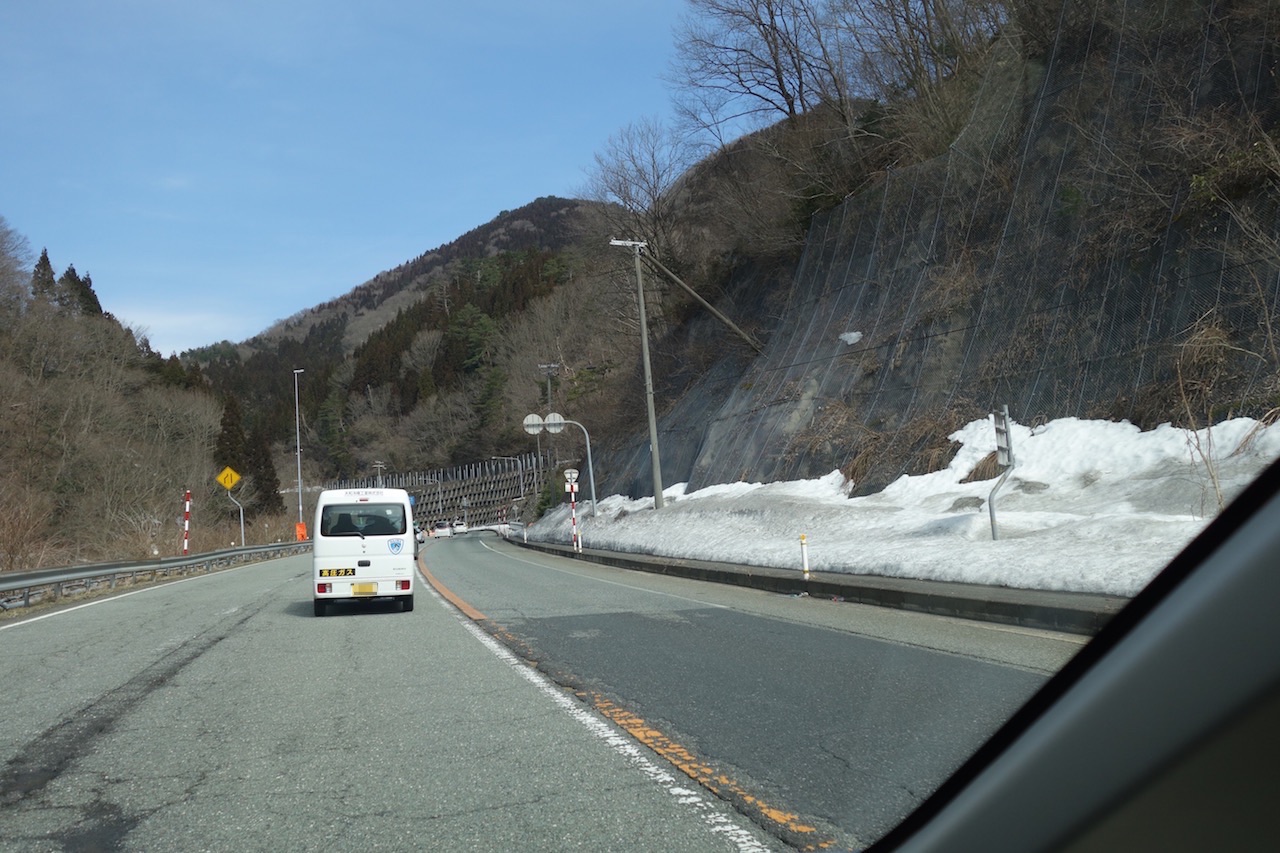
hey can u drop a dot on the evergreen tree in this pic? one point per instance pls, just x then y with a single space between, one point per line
332 430
263 471
43 284
79 291
467 345
195 378
172 371
230 448
66 293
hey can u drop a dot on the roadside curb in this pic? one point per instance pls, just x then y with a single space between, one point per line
1072 612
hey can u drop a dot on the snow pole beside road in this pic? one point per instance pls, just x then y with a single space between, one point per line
571 486
1004 458
186 523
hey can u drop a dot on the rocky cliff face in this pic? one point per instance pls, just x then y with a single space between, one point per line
1100 242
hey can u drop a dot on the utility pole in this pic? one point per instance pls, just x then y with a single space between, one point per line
549 369
297 432
636 246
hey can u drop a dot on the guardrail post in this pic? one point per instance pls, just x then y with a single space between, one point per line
54 584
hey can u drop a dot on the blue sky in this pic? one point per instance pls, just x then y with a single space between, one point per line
218 166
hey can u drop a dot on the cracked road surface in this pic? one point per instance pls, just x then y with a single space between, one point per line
216 713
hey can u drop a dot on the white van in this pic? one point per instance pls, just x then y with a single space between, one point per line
364 546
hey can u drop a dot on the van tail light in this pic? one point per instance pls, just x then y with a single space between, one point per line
402 584
324 587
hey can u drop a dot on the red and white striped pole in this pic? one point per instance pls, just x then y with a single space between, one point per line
573 515
571 486
186 523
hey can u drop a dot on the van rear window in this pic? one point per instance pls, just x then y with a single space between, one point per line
363 519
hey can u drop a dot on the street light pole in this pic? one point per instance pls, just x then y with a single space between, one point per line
636 246
439 495
297 431
520 467
534 424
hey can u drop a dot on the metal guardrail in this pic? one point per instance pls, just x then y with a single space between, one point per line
22 589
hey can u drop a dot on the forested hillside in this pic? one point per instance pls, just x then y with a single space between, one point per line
428 364
100 436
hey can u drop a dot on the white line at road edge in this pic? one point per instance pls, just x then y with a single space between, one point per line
62 611
694 798
65 610
697 601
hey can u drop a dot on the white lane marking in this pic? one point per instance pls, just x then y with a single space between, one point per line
711 815
64 611
1041 633
602 580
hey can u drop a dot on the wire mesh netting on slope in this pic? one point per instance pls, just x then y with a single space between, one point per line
1101 242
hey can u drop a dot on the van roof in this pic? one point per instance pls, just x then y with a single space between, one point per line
359 495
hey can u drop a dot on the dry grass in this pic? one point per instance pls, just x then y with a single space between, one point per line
1251 437
835 428
953 285
988 468
863 456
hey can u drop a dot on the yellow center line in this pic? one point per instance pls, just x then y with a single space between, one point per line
448 595
699 771
679 756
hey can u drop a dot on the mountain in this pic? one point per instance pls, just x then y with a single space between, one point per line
1095 237
419 365
544 225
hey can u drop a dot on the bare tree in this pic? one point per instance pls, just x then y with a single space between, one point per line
905 48
637 171
24 516
422 352
921 59
749 61
105 449
15 270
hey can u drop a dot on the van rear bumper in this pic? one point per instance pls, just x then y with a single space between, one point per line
330 588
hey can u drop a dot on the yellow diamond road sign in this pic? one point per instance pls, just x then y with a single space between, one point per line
228 478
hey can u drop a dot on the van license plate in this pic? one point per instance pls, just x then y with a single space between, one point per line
364 589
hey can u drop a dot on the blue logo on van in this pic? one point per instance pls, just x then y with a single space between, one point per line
396 545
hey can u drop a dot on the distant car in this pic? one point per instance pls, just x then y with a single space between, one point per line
459 527
442 528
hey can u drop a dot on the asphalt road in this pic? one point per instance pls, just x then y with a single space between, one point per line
217 713
826 722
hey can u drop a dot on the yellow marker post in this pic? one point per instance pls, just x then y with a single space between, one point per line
804 555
